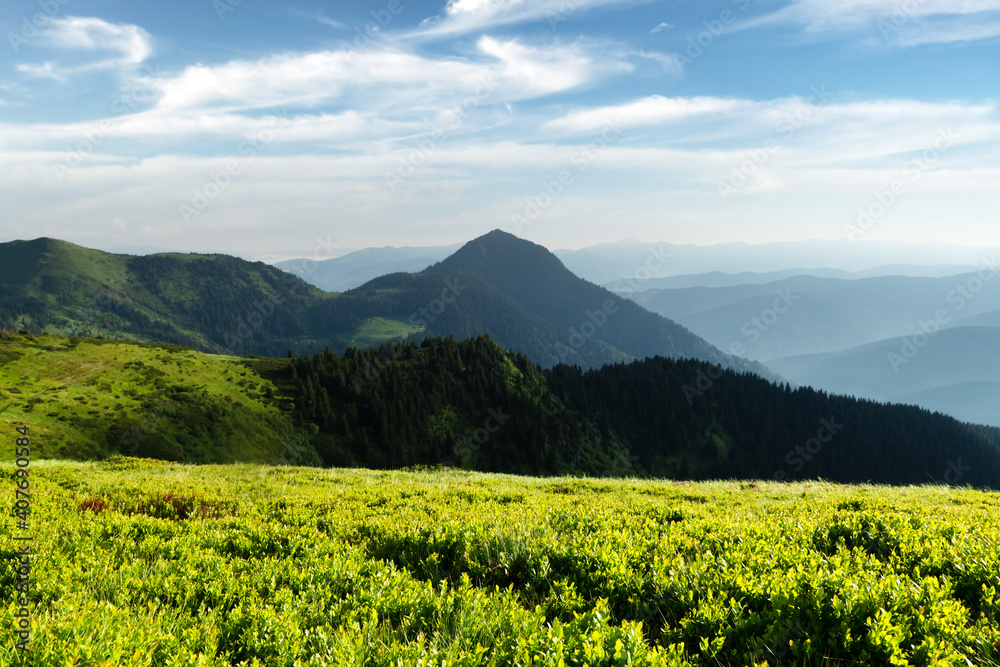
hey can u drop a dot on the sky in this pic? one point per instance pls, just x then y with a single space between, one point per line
291 129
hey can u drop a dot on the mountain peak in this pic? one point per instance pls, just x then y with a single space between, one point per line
505 260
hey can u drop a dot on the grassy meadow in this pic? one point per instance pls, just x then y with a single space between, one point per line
141 562
94 398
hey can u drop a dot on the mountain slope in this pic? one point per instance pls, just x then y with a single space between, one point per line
975 402
90 398
469 404
586 314
215 303
897 369
823 314
500 285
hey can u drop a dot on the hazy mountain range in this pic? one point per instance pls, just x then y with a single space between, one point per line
847 335
356 268
831 328
638 265
513 290
824 314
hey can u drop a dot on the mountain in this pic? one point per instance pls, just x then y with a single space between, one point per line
817 315
629 259
583 315
215 303
723 279
953 370
514 290
974 402
469 404
356 268
646 264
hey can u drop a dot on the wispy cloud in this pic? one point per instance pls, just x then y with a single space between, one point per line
393 80
463 16
319 18
899 22
660 27
114 46
351 97
652 110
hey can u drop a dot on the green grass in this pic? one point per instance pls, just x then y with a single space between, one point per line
94 398
147 563
380 329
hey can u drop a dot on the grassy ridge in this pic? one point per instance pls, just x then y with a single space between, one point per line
469 404
94 398
145 563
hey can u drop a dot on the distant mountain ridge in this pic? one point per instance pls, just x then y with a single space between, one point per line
828 314
954 371
500 285
356 268
608 263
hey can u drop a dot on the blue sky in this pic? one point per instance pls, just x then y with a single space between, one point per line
260 127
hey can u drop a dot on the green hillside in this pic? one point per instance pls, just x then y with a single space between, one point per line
215 303
470 404
91 398
513 290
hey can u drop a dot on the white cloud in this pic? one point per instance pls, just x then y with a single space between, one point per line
386 77
661 27
319 18
651 110
131 42
113 46
375 101
901 22
46 71
462 16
